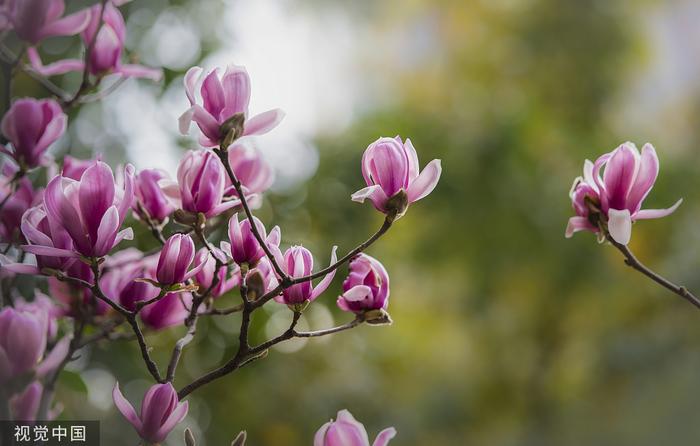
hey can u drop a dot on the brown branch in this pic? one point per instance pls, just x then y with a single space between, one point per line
223 156
632 261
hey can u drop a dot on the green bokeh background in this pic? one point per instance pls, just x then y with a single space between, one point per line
504 332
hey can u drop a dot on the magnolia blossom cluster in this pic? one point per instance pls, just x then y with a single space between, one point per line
74 232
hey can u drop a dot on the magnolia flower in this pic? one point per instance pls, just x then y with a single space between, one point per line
366 287
34 20
31 126
205 276
200 184
616 199
122 283
105 55
161 411
251 169
244 247
222 98
299 262
150 196
90 210
347 431
23 336
391 171
175 258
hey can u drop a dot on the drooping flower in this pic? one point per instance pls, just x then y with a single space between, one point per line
200 184
106 53
347 431
615 199
299 262
390 169
205 277
31 126
91 210
222 98
34 20
161 411
23 337
175 259
244 247
367 286
150 196
251 169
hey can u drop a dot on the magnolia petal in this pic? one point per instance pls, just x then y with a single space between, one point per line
367 192
185 120
384 437
174 419
107 231
426 181
54 359
67 26
140 71
20 268
325 283
263 123
125 408
577 224
55 68
645 178
48 251
620 225
190 81
320 437
646 214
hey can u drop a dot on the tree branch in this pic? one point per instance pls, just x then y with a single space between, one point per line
632 261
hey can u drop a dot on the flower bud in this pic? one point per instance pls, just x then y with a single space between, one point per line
205 277
161 411
347 431
175 259
366 287
299 262
390 169
31 126
244 247
150 196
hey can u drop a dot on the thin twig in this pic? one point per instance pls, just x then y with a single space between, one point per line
632 261
223 156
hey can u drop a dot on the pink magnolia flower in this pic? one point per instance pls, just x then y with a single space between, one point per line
150 196
42 303
34 20
106 54
20 200
347 431
175 258
616 198
205 277
23 344
90 210
221 99
391 171
251 169
161 411
200 184
244 247
31 126
366 287
262 279
299 262
122 283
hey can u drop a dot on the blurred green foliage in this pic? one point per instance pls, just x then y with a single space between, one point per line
505 333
